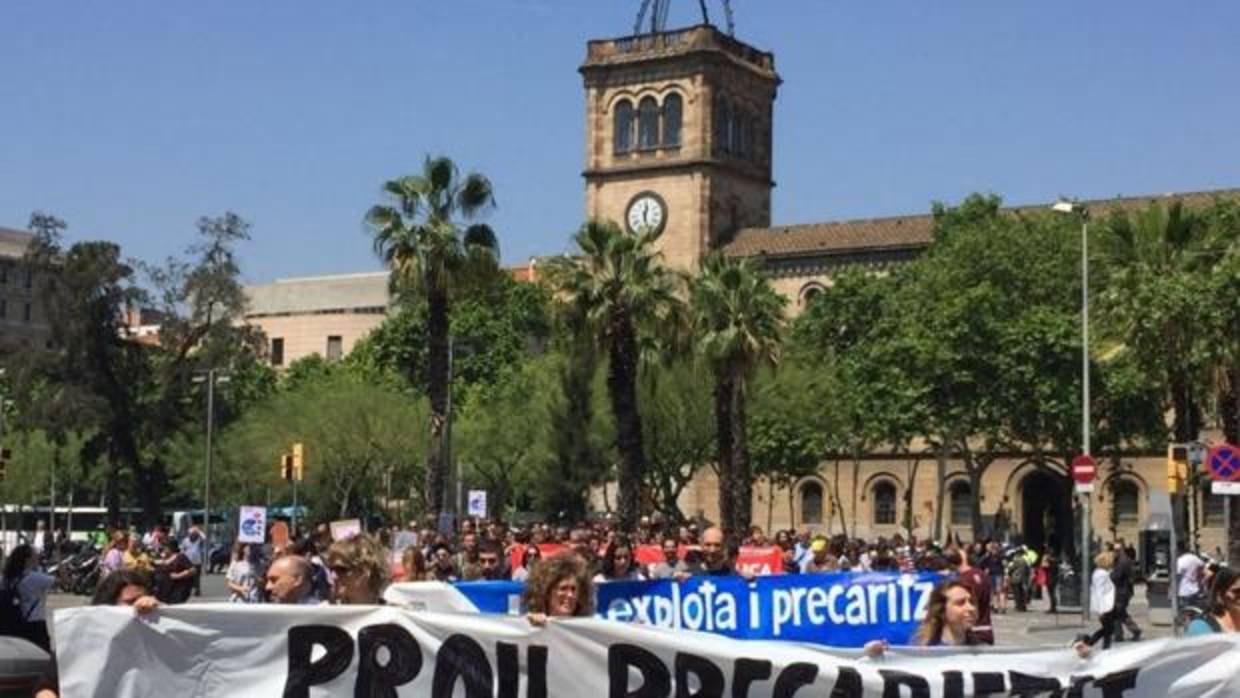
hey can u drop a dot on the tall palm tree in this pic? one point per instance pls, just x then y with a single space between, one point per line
433 258
627 297
1153 265
738 318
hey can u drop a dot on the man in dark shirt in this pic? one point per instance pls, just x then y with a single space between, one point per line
1123 575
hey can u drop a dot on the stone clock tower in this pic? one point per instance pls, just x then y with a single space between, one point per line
678 137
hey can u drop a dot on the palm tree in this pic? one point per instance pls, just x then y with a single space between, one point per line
1153 268
737 317
628 298
433 259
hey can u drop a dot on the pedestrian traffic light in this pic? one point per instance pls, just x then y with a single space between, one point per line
286 467
5 456
299 461
1177 467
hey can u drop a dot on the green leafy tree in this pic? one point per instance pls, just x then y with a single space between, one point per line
678 431
432 258
626 298
738 319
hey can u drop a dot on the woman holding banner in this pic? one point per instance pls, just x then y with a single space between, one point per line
559 587
950 616
359 570
1222 605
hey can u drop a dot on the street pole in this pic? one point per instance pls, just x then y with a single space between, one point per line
294 507
453 504
206 498
1085 522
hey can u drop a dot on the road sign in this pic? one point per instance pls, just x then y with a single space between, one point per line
1224 463
1221 487
1084 469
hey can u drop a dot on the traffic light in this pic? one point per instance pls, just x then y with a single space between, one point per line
299 462
5 456
1177 467
286 467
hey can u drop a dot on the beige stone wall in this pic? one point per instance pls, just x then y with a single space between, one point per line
307 334
683 239
1010 484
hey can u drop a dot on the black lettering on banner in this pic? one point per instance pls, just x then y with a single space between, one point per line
1026 686
847 684
656 681
1114 685
793 678
404 660
893 681
1077 689
709 676
304 673
988 683
747 671
460 657
509 671
953 684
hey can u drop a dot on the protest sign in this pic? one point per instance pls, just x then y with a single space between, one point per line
252 525
760 561
225 651
346 529
840 610
478 503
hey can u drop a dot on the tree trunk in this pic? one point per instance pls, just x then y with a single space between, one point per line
723 436
940 457
437 389
742 479
622 385
974 470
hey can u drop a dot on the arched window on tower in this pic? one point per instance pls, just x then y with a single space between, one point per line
884 494
1125 502
624 126
961 503
648 124
725 128
811 503
673 114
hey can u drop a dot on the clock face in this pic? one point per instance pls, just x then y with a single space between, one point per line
647 211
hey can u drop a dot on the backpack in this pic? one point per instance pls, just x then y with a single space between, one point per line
12 614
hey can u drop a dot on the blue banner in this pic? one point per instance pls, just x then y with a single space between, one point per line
844 609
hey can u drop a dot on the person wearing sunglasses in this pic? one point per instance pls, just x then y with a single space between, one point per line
359 572
1223 605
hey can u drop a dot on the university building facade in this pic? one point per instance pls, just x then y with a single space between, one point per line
679 136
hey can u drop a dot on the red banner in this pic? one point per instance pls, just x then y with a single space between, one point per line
649 554
517 552
759 561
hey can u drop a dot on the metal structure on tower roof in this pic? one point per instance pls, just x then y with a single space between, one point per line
658 11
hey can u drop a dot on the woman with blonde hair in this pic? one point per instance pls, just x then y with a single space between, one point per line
359 570
1102 600
559 587
951 614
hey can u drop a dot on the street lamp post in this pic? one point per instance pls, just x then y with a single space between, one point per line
212 376
1069 207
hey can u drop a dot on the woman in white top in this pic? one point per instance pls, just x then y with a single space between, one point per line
242 577
619 563
1102 600
29 609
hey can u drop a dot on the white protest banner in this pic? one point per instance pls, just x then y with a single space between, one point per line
478 503
252 525
345 529
227 651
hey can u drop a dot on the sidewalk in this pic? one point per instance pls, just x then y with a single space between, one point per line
1039 627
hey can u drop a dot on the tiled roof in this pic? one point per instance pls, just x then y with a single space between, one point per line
13 243
902 232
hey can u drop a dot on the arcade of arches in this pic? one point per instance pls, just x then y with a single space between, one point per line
1019 501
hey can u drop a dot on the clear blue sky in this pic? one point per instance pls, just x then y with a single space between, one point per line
131 119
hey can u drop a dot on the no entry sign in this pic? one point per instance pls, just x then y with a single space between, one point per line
1084 469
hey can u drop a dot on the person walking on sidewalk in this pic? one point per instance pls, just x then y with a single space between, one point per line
1123 575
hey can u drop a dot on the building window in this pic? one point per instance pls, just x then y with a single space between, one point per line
1212 509
811 503
884 503
335 348
624 127
26 313
1125 502
4 308
961 504
648 124
277 351
723 127
673 111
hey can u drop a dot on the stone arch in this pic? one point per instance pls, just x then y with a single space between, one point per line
809 292
1041 504
812 502
875 490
